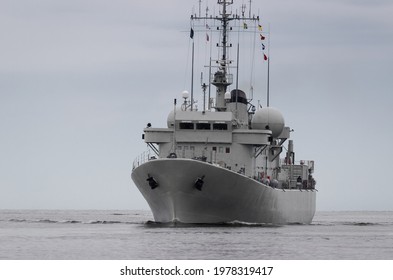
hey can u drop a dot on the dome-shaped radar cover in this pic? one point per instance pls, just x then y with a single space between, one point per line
269 118
171 119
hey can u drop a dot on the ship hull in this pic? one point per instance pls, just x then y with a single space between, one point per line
225 196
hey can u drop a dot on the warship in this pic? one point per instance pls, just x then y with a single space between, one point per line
231 161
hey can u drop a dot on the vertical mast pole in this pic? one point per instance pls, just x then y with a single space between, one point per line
249 14
210 84
237 73
192 78
224 33
268 79
222 76
268 68
174 126
210 67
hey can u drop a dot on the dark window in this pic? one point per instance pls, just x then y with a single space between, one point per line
214 148
220 126
186 126
227 150
203 126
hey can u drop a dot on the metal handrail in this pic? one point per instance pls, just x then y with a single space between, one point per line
142 158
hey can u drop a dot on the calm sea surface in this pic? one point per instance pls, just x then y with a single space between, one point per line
110 234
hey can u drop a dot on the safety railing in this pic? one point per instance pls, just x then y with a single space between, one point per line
143 158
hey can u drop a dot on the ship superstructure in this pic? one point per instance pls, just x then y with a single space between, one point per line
229 162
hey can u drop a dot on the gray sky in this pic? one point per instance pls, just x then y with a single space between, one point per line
79 79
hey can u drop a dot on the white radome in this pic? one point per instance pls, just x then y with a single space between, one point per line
269 118
171 119
185 94
227 96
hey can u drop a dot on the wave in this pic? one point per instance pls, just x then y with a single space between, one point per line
68 222
17 220
177 224
44 221
191 225
105 222
91 222
118 214
362 224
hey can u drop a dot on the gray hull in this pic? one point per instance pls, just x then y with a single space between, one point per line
226 196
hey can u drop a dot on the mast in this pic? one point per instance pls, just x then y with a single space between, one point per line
222 78
268 82
268 71
192 78
224 31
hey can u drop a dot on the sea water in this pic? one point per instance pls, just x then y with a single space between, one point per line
119 234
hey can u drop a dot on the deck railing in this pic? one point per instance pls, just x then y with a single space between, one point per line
143 158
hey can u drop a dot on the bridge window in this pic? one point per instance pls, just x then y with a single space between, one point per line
203 126
186 125
220 126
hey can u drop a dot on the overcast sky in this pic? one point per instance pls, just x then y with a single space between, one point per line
79 80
